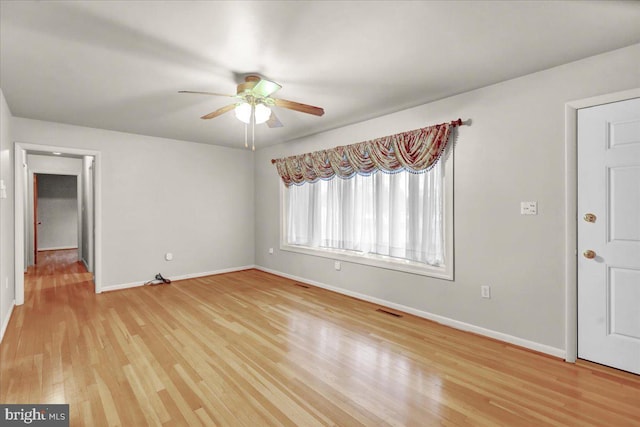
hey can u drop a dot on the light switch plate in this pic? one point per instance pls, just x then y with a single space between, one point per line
485 291
528 208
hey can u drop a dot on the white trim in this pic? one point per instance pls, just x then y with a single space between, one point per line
19 242
79 198
19 163
5 321
122 286
213 273
57 248
176 278
373 260
456 324
571 211
46 171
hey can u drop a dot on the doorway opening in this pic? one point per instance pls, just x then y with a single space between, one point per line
57 229
61 227
57 214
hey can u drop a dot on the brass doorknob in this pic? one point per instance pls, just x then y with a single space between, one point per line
589 254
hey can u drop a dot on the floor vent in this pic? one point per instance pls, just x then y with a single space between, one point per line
301 285
389 312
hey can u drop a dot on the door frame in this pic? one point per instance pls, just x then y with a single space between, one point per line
19 210
571 211
35 218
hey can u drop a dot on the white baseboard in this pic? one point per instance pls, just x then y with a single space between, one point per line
174 278
213 273
531 345
5 321
57 248
121 286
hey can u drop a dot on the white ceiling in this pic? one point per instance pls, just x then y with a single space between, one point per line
119 65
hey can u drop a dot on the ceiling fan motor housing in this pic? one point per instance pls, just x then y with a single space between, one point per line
250 82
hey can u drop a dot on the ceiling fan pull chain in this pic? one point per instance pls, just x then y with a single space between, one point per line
253 126
253 135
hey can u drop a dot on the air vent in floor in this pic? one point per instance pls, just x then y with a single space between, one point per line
381 310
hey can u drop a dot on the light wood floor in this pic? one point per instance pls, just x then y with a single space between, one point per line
253 349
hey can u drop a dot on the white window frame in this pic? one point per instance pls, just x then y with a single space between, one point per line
380 261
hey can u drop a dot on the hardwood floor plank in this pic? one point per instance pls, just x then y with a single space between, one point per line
106 399
253 349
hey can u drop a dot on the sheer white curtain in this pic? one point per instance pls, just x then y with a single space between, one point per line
398 215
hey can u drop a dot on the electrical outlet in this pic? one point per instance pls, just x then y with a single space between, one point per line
168 256
270 251
337 265
485 291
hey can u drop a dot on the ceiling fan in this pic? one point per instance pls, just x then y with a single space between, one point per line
254 103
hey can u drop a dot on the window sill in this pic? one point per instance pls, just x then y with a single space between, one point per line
379 261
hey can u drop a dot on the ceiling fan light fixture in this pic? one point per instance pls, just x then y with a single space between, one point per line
243 113
262 113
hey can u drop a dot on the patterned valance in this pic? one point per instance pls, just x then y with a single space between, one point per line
414 151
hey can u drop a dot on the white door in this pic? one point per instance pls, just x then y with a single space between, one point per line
609 234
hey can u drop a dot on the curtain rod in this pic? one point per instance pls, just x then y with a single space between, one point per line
458 122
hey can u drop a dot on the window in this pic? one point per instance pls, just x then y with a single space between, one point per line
401 221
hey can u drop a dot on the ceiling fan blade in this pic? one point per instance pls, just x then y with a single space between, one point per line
219 111
304 108
273 121
265 88
205 93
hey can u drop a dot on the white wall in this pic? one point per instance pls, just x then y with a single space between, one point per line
512 152
7 294
161 195
57 212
